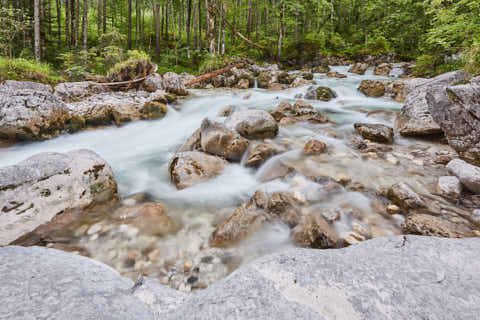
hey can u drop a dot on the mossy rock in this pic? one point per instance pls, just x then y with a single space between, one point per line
321 69
264 80
325 94
154 110
285 78
170 97
76 123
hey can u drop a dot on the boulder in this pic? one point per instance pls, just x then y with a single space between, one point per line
457 111
377 279
260 153
243 223
46 283
35 190
372 88
321 69
155 82
153 110
264 80
76 91
358 68
314 147
125 113
193 142
286 78
415 118
275 86
253 124
405 197
382 69
469 175
284 207
188 168
449 187
149 218
320 93
243 84
313 231
30 111
218 140
298 82
173 83
375 132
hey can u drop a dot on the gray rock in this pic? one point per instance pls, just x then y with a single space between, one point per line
253 124
76 91
457 111
469 175
29 111
218 140
37 189
415 118
41 283
405 197
191 167
382 278
173 83
375 132
154 82
450 187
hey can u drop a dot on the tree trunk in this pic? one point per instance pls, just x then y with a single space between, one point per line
104 16
280 32
195 24
129 17
59 23
211 26
85 24
36 9
189 22
99 17
249 19
156 10
77 22
67 22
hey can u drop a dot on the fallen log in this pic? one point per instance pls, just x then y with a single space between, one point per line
123 83
213 74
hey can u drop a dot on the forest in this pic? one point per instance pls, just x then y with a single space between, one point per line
74 37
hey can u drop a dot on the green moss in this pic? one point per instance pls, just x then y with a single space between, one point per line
28 70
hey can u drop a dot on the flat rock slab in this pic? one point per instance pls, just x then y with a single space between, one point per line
387 278
41 283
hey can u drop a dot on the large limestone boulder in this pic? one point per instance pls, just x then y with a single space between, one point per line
253 124
218 140
46 283
358 68
30 111
415 118
191 167
377 279
375 132
76 91
457 112
35 190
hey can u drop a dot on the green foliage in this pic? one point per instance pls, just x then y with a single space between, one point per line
472 64
27 70
211 63
134 58
425 65
11 25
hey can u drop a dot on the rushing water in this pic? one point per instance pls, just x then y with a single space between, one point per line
139 153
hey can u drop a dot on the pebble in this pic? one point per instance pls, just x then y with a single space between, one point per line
343 178
393 209
187 266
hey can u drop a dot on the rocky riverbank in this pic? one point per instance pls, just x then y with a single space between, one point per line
317 165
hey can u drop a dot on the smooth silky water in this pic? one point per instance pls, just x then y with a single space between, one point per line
139 154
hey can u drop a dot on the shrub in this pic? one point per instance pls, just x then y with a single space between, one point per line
28 70
425 65
472 63
211 63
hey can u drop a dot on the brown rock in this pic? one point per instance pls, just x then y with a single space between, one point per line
375 132
382 69
372 88
313 231
284 207
405 197
428 225
259 154
314 147
218 140
359 68
334 74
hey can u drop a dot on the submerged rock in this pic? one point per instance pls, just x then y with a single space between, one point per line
218 140
35 190
334 74
375 132
253 124
415 118
191 167
321 69
372 88
30 111
260 153
314 147
320 93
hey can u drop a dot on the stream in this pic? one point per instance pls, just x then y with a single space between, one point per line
139 154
